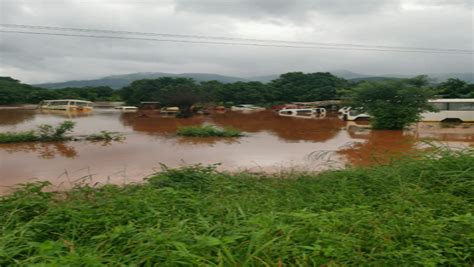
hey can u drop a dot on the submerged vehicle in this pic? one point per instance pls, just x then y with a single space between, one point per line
149 105
353 114
127 108
450 109
246 107
303 112
169 110
66 104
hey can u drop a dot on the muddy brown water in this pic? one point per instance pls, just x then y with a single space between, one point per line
271 143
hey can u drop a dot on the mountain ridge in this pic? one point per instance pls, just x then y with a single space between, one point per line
121 80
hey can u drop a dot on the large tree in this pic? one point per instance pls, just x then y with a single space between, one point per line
298 86
393 104
183 96
151 89
455 88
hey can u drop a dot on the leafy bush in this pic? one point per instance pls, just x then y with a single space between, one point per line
413 212
50 133
208 131
393 104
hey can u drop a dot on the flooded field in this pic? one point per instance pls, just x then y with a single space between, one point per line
271 143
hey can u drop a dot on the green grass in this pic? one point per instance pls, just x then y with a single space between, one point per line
48 133
410 213
44 133
19 137
208 131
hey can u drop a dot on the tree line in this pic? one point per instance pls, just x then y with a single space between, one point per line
289 87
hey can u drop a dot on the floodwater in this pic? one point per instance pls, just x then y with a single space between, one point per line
271 143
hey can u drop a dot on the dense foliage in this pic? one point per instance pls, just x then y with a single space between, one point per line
295 86
413 212
14 92
455 88
289 87
393 104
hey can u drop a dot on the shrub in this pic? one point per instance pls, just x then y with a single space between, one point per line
393 104
208 131
50 133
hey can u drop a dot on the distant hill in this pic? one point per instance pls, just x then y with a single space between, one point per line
348 75
119 81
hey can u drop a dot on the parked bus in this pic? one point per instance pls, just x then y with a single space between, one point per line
455 109
66 104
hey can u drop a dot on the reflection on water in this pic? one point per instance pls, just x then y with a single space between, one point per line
270 143
47 150
13 117
154 124
66 114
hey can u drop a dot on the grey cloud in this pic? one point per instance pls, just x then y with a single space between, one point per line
290 9
47 58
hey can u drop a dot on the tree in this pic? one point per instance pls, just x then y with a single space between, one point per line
298 86
393 104
455 88
183 96
151 89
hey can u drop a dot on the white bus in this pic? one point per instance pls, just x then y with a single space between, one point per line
455 109
66 104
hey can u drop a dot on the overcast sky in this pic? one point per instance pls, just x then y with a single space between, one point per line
415 23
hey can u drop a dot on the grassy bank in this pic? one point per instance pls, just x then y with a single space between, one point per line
416 212
208 131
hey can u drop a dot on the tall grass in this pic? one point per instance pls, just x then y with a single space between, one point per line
208 131
44 133
414 212
60 132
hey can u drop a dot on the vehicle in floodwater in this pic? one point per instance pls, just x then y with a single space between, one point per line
66 104
353 114
303 112
127 108
246 107
450 109
169 110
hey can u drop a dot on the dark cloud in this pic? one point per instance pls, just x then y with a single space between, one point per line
296 10
421 23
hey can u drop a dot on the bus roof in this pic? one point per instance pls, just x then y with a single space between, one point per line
75 100
452 100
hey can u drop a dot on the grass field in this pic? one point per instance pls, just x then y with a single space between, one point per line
408 213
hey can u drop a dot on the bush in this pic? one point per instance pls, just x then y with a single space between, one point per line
393 104
208 131
50 133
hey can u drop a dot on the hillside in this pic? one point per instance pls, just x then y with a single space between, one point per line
119 81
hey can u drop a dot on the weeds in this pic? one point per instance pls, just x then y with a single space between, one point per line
208 131
412 212
105 136
9 137
44 133
48 133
